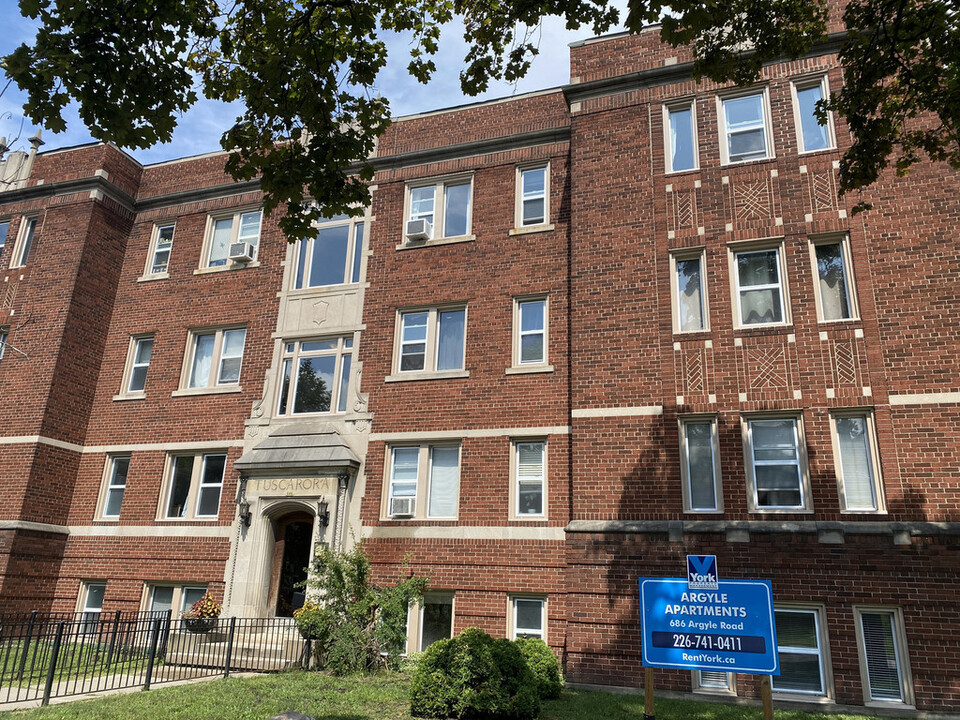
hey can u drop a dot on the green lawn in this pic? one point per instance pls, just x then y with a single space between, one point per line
373 697
74 660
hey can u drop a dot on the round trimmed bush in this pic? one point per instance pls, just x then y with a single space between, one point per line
474 677
544 666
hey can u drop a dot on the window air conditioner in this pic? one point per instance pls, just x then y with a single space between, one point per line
402 506
242 252
421 229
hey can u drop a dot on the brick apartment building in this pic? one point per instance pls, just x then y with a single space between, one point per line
578 334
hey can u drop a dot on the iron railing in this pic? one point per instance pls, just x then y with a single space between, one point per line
47 655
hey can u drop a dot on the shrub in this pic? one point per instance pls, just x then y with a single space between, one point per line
355 624
544 666
472 677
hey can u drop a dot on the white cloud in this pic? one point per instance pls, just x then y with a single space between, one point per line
199 129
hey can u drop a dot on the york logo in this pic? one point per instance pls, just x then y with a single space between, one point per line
702 572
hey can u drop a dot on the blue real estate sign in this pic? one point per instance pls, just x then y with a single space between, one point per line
703 623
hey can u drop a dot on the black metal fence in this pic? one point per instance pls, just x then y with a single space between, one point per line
47 655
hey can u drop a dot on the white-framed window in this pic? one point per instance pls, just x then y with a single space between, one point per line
333 256
680 136
689 296
834 287
115 485
430 621
214 358
884 661
424 481
4 230
315 376
194 486
24 243
242 226
139 353
176 599
528 617
432 340
530 335
700 464
801 645
4 334
161 244
445 204
857 462
533 196
714 682
811 135
745 132
529 474
760 291
776 464
91 605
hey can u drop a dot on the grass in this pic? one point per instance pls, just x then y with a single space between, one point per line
370 697
74 660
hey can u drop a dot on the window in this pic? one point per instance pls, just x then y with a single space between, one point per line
529 473
745 128
528 618
195 483
138 362
858 469
315 376
811 135
430 621
115 486
424 481
174 598
714 681
4 333
681 135
776 465
530 332
884 663
333 257
533 206
158 259
834 286
689 295
700 464
240 227
91 605
21 250
801 652
432 340
214 358
4 229
444 205
760 292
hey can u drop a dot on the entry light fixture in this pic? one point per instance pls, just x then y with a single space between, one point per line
323 513
244 512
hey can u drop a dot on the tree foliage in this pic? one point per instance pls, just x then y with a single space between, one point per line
305 73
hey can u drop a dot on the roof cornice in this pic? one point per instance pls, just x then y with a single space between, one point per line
578 92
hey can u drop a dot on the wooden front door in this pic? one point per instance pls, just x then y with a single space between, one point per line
293 535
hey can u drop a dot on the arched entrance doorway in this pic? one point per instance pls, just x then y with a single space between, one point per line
293 538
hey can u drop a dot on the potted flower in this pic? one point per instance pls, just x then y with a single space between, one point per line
203 615
312 620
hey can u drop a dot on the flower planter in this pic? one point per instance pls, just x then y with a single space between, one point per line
200 625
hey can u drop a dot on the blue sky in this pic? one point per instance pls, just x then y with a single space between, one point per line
199 129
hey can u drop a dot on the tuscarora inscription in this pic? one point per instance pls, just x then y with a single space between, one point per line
293 485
